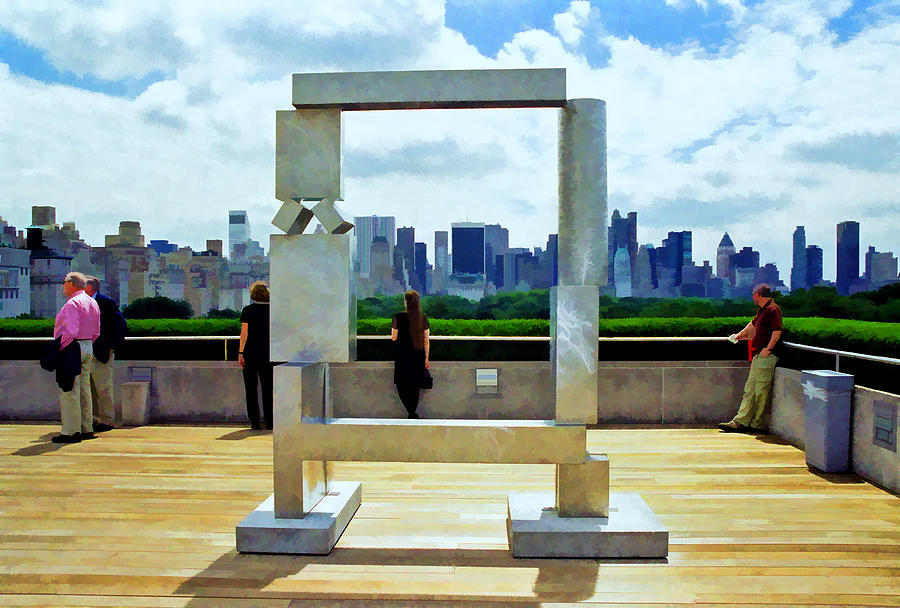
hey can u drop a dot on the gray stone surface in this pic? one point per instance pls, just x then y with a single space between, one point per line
582 490
366 389
827 403
312 298
331 218
574 323
315 534
299 392
534 529
431 89
786 418
873 462
392 440
631 395
692 397
134 398
292 218
582 193
308 154
213 391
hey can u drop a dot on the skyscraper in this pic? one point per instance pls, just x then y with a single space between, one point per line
366 228
238 230
441 261
676 253
553 250
798 268
421 262
622 234
496 242
468 247
813 265
405 257
622 265
847 256
723 257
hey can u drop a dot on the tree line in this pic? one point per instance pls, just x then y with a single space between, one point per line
880 305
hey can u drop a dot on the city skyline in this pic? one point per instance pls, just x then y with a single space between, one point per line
721 114
829 249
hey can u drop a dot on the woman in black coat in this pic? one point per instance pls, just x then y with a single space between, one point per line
410 333
253 354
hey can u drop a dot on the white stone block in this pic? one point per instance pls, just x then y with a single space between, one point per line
574 329
308 153
331 217
314 534
582 490
535 529
313 298
299 391
405 440
292 218
431 89
583 193
134 403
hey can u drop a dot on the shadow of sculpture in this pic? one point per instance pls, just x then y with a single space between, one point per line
257 576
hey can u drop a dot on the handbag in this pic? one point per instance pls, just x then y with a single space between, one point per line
427 382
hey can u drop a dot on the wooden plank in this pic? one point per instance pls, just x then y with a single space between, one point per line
146 516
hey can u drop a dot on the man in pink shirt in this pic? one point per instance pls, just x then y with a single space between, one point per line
77 321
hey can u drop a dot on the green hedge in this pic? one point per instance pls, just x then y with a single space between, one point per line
859 336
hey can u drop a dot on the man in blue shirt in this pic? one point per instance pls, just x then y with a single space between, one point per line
112 335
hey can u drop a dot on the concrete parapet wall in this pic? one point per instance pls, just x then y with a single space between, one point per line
871 461
642 392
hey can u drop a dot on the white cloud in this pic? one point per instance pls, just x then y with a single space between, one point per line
714 133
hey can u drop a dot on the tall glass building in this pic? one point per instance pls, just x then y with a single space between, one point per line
847 256
468 247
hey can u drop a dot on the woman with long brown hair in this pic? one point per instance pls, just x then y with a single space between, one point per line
410 333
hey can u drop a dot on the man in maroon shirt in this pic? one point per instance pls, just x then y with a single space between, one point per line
763 331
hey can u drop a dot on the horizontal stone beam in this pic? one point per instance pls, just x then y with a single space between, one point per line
463 441
428 89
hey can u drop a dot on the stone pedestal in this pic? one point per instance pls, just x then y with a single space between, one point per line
134 396
827 406
315 534
534 528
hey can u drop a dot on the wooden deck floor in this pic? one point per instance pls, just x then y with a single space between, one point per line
146 517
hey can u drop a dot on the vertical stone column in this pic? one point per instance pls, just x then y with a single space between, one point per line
582 193
581 490
299 391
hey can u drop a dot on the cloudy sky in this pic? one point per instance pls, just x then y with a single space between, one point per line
723 115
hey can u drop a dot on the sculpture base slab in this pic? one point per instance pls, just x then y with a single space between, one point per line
315 534
535 529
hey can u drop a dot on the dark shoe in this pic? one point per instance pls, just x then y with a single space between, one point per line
99 427
732 427
254 426
268 427
413 415
66 438
86 436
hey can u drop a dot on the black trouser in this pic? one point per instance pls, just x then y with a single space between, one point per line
263 371
409 396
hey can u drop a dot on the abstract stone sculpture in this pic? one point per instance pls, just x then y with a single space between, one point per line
313 322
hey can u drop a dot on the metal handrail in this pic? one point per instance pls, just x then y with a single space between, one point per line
817 349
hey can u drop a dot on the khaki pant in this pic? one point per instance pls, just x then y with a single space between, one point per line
102 390
75 406
757 391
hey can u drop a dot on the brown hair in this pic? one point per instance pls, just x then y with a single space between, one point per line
259 292
416 319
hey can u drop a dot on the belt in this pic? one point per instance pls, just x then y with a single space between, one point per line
83 340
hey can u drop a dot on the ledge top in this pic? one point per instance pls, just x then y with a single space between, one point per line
431 89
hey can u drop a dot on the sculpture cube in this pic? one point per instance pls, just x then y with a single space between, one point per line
582 490
308 149
292 218
574 329
313 298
